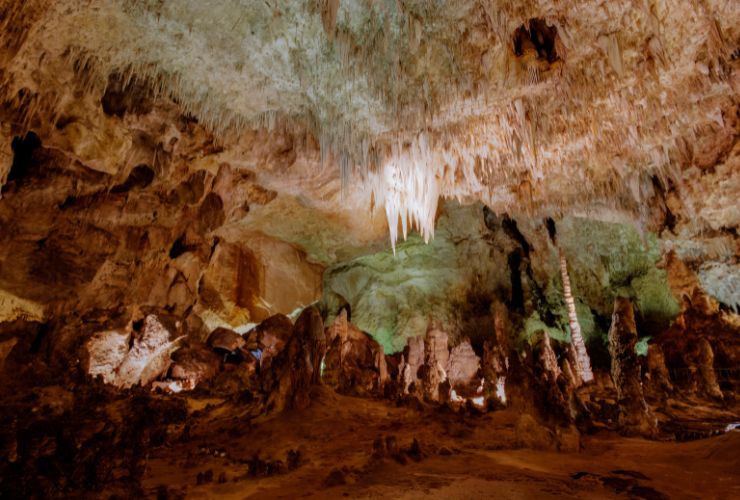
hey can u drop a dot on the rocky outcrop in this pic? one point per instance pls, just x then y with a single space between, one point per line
270 337
193 365
226 342
430 370
354 363
634 414
148 357
298 365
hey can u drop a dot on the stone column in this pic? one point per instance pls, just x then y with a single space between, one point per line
436 356
635 416
706 370
660 379
583 362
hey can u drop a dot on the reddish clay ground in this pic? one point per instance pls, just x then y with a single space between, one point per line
457 457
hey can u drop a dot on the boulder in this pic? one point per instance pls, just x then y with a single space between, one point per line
194 364
149 356
225 341
105 352
271 336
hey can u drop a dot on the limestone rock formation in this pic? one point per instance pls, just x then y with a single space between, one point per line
193 364
660 379
463 370
147 358
634 414
298 365
106 351
413 359
226 342
706 369
434 370
553 386
271 336
581 360
354 363
191 190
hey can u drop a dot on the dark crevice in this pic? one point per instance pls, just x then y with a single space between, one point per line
180 247
126 96
513 232
41 334
23 151
140 177
551 230
537 37
68 202
669 219
517 292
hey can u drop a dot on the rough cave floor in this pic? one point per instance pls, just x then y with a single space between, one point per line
290 430
342 444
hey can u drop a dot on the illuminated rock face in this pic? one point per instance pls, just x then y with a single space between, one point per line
146 359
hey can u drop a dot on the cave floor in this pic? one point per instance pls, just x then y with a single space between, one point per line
459 456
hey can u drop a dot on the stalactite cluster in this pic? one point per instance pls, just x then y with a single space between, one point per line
502 102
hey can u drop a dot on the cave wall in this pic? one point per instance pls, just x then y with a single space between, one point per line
394 297
477 258
125 205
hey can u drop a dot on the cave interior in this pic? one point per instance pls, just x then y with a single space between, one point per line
362 248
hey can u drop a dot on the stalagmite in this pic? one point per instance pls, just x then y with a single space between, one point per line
298 365
581 355
462 369
436 357
706 369
635 416
660 379
548 360
413 359
354 362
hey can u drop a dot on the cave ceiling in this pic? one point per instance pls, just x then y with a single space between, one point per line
531 107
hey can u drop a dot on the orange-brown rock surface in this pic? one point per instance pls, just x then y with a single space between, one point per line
191 191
